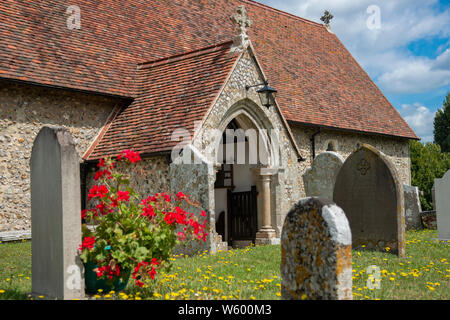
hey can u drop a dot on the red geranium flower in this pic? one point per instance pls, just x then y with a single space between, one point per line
88 243
123 195
132 156
98 192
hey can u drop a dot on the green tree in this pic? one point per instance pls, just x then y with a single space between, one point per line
442 126
427 164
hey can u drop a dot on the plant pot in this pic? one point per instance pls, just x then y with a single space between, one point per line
93 283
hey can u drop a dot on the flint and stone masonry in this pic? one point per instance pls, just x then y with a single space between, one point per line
316 252
26 108
56 225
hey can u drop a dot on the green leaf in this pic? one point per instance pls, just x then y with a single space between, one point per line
141 253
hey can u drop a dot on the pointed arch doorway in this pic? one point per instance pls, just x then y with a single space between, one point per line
243 180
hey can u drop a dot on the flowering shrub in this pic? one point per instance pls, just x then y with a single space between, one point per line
134 234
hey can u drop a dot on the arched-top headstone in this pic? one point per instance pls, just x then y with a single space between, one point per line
316 252
320 178
367 188
442 192
55 216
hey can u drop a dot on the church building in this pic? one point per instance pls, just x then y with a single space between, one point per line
179 81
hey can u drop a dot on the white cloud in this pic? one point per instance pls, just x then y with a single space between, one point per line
443 61
417 76
420 118
383 52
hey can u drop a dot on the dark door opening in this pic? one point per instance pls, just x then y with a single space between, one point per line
242 216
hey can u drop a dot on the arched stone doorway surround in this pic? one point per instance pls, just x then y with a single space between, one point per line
261 169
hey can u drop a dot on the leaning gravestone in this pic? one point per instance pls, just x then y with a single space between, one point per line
55 216
412 207
368 190
316 252
442 194
320 178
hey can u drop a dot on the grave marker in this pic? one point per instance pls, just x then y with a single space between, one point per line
316 252
368 190
412 208
320 178
55 216
442 195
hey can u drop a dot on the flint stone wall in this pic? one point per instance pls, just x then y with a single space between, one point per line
344 143
147 177
24 110
316 261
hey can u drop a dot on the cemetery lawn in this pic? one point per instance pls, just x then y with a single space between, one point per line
254 273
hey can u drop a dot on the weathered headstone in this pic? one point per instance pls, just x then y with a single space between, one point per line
412 207
368 190
55 216
316 252
320 178
442 194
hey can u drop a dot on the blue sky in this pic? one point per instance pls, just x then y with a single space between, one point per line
404 45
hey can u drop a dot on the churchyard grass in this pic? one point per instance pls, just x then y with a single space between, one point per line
15 270
253 273
424 273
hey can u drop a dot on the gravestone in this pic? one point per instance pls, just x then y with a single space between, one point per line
368 190
55 216
196 180
320 178
412 207
316 252
442 194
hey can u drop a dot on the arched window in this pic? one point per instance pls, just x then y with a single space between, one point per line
331 146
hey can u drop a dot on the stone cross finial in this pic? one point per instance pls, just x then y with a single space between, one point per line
241 19
326 18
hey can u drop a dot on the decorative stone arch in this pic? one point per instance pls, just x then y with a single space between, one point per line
249 115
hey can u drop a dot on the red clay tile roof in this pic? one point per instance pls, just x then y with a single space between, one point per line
173 94
318 80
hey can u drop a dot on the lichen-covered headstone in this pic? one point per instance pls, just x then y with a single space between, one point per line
316 252
412 207
319 179
367 188
442 194
55 216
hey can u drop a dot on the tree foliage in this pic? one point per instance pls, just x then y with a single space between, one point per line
428 162
442 126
